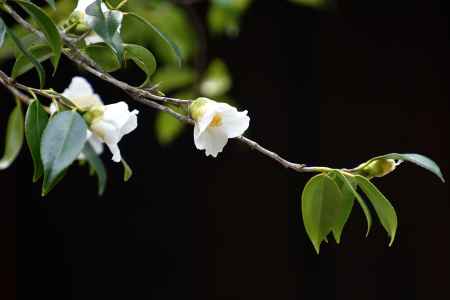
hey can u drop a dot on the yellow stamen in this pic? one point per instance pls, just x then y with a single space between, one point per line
216 121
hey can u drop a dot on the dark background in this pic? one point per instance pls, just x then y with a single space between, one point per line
328 88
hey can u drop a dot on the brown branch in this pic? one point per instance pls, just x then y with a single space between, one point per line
147 98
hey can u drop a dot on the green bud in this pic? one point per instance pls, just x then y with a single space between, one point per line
95 112
76 17
378 168
198 107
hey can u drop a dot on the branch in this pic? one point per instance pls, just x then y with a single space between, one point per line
145 97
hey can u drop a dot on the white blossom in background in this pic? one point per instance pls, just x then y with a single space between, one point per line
92 38
107 123
215 123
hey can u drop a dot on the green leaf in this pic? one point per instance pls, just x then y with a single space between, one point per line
127 172
320 199
166 39
2 32
48 27
31 58
106 25
143 58
348 199
418 159
169 79
14 137
23 64
97 165
51 3
350 186
385 210
217 80
62 141
36 120
104 56
167 128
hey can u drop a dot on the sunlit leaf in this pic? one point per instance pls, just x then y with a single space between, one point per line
62 141
385 210
23 64
350 186
143 58
165 38
320 199
48 27
104 56
348 199
36 120
40 70
97 166
14 137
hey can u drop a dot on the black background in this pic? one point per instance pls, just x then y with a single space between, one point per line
329 88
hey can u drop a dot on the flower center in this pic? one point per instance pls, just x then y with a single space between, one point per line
216 121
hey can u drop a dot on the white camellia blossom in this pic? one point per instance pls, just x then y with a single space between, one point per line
93 38
107 123
215 123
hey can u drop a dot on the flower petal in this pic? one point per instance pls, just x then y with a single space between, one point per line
114 148
212 141
106 131
81 93
235 123
117 114
131 124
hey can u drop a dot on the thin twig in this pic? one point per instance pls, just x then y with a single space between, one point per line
147 98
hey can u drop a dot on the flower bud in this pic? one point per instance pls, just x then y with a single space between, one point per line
198 107
379 168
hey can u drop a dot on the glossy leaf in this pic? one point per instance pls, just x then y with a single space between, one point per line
385 210
143 58
106 25
23 64
166 39
40 70
48 27
97 165
127 172
320 199
418 159
62 141
14 137
350 186
36 120
104 56
348 199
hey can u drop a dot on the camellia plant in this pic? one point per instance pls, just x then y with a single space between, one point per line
61 128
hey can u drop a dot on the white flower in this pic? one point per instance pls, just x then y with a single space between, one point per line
116 122
215 123
107 123
94 38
